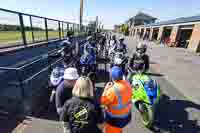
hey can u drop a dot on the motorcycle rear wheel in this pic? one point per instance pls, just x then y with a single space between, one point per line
147 115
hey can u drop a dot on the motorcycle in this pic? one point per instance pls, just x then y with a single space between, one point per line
145 97
55 79
88 65
120 60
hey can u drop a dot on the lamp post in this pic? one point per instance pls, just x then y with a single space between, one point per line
81 14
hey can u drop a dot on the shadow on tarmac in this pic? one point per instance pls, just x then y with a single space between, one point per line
102 77
155 74
172 116
152 62
9 123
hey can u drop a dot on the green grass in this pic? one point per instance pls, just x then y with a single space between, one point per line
8 38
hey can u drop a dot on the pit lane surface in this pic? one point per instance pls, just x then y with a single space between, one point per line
175 114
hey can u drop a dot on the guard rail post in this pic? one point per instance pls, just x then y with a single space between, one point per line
31 24
63 30
46 29
22 29
59 29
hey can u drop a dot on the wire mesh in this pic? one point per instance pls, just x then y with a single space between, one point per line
53 29
28 29
62 29
70 27
39 29
10 31
65 29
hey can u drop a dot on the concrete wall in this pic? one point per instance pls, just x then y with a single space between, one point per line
151 34
174 34
160 33
194 44
145 30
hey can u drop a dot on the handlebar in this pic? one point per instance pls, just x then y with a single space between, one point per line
135 71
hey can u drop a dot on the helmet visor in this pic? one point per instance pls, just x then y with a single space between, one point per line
140 50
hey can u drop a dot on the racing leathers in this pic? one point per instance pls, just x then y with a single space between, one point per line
112 45
89 48
120 47
138 62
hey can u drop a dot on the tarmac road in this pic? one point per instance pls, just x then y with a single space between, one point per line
175 114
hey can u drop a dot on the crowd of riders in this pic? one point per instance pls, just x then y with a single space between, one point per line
76 100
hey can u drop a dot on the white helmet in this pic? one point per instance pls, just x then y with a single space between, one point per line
57 76
71 73
121 39
65 43
141 47
89 38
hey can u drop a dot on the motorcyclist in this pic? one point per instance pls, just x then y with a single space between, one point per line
121 46
101 45
89 46
112 43
66 52
139 60
88 58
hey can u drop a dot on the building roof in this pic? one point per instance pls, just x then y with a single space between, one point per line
178 20
141 15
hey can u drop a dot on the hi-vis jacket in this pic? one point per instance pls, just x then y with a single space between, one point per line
117 100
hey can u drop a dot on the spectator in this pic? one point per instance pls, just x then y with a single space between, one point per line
64 90
81 114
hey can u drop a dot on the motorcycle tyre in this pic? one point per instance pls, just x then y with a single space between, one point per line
52 104
149 110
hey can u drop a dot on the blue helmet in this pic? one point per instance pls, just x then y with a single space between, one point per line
116 73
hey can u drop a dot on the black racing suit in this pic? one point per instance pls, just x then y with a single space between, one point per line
68 59
137 63
143 59
120 47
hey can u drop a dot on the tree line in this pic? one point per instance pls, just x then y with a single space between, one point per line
6 27
124 28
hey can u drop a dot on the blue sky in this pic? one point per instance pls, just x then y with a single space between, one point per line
110 11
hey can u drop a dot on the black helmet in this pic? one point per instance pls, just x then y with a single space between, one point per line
113 37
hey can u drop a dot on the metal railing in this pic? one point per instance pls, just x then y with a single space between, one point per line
21 29
26 81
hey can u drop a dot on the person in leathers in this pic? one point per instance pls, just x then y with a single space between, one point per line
116 99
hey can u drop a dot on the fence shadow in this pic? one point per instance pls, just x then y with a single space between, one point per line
172 116
9 123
